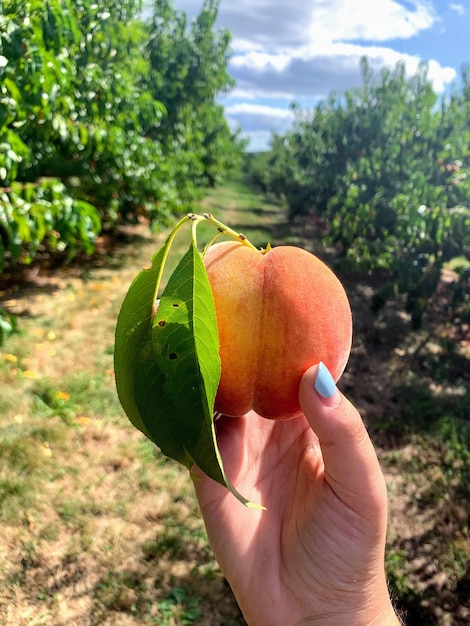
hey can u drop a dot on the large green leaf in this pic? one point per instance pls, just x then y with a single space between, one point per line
133 326
168 368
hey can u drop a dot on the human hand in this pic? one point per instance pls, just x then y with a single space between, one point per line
316 555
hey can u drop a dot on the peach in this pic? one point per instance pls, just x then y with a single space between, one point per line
278 313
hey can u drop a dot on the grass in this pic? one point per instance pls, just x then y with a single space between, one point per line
239 207
99 521
99 528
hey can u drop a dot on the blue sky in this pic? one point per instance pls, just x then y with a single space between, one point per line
301 50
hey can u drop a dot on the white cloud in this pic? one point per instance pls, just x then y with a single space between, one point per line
458 8
280 25
309 48
440 76
254 117
380 20
260 24
255 60
258 122
312 47
316 74
259 140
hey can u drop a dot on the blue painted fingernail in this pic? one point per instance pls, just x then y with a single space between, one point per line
324 384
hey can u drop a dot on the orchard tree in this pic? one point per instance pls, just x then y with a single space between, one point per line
384 170
188 72
36 74
105 116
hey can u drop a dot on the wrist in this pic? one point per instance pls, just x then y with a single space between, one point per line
385 618
378 613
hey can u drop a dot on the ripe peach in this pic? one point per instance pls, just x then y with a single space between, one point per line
278 313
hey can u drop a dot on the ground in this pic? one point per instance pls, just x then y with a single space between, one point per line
98 528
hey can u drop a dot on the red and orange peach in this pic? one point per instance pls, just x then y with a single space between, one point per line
278 313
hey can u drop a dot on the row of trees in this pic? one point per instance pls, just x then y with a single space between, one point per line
106 112
384 172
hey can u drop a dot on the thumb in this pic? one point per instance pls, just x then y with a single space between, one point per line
352 469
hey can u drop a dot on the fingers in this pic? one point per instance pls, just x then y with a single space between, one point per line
352 468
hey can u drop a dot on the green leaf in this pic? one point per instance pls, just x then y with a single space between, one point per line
179 368
133 325
8 325
168 369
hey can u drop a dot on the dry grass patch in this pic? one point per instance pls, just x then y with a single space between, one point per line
97 527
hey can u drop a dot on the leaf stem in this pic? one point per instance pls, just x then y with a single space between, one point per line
195 218
226 230
168 243
210 242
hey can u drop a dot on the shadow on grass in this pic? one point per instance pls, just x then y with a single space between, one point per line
426 411
173 580
438 591
435 424
198 593
262 212
113 250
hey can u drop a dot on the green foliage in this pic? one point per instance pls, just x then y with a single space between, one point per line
32 215
179 604
166 357
8 325
105 116
383 173
188 70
